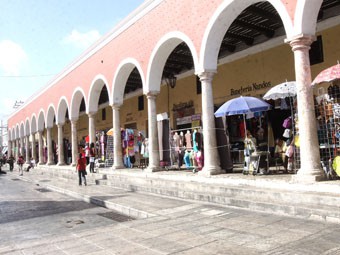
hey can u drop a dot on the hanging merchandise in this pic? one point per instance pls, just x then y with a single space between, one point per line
297 140
336 165
284 105
286 133
200 160
287 123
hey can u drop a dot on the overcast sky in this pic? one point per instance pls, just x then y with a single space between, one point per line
39 38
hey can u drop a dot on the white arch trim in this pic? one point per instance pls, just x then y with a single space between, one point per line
120 78
34 125
159 56
41 120
50 116
94 93
306 15
22 129
75 103
220 22
61 110
27 126
17 131
11 133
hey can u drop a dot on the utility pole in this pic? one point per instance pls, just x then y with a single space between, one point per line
3 132
1 139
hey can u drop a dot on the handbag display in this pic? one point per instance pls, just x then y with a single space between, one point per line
287 133
287 123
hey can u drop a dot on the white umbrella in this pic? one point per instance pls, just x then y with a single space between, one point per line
283 90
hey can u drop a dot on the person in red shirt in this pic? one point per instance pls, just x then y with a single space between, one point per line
81 168
20 163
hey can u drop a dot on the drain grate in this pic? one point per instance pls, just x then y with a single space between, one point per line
116 216
44 180
43 190
15 179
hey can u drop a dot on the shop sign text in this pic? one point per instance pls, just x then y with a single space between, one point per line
253 87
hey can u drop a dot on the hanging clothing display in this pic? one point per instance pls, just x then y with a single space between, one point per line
188 140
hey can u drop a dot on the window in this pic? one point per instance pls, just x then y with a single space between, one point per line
316 51
104 114
140 103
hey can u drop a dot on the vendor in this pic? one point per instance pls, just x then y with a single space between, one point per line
280 151
249 144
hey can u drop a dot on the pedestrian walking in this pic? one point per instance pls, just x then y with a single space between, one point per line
11 163
92 157
20 164
81 168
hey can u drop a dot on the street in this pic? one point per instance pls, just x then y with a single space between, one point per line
30 213
37 220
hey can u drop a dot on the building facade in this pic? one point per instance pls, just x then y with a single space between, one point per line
217 50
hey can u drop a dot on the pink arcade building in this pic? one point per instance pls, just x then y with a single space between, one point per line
150 87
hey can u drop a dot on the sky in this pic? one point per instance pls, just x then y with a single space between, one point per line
39 38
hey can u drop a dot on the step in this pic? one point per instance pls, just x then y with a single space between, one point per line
292 202
311 205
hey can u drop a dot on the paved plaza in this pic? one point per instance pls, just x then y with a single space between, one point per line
41 215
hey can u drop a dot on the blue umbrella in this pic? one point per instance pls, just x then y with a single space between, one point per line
242 105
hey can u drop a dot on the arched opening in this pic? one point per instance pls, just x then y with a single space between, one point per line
64 121
101 112
170 72
51 124
245 44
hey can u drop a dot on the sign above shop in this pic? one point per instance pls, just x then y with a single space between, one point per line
182 106
253 87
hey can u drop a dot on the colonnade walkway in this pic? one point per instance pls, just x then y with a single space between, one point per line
179 212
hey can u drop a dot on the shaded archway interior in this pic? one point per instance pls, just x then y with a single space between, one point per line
256 24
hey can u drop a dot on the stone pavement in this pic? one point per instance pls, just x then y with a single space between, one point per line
166 225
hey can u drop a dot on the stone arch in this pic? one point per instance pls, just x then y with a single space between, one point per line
41 120
27 127
50 116
223 17
120 78
17 132
34 128
160 55
13 134
62 110
22 130
96 87
10 134
77 97
306 15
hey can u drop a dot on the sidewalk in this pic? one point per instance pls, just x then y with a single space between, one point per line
174 226
136 193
